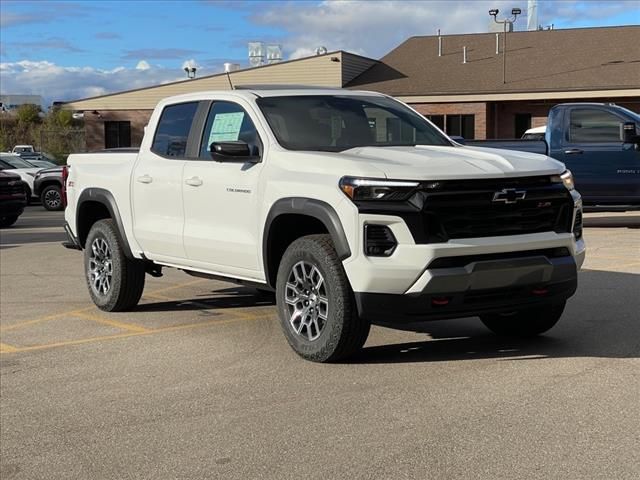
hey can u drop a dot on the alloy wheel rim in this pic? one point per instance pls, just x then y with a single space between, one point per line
306 300
52 198
100 267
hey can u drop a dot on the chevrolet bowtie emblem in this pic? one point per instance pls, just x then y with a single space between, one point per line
509 195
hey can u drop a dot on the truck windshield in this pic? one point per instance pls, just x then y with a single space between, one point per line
335 123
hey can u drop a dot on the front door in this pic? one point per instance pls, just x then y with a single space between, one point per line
157 186
221 231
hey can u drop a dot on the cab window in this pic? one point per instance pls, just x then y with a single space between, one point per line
229 122
594 126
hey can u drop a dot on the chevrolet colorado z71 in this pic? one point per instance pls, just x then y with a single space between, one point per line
349 205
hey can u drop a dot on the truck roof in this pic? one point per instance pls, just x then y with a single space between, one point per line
253 91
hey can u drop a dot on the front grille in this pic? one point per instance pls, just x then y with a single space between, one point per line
469 209
13 187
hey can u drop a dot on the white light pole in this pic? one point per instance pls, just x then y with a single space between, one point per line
505 21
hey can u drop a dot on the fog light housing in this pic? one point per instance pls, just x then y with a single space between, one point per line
577 225
379 241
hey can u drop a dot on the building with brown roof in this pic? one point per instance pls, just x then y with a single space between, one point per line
467 97
543 68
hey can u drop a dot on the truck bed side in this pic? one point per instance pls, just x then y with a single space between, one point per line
110 171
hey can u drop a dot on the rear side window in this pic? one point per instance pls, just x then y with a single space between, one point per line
594 126
173 129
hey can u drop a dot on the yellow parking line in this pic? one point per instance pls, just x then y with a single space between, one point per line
128 334
5 348
113 323
43 319
73 312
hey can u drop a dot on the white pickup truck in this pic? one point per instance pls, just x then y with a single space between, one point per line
349 205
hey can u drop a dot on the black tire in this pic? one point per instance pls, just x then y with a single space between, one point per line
51 198
27 192
8 221
127 276
342 333
526 323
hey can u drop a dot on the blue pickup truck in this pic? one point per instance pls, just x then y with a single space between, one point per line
599 143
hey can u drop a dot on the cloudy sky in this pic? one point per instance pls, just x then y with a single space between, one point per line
64 50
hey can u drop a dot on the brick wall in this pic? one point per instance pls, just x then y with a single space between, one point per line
94 125
479 109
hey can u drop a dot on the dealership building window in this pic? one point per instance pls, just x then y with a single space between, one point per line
117 134
456 125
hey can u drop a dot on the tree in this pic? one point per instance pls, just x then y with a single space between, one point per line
28 114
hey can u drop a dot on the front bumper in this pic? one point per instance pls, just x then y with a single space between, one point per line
477 288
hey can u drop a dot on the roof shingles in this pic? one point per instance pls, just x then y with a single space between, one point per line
537 61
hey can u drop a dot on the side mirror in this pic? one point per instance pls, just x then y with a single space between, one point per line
458 139
237 151
629 133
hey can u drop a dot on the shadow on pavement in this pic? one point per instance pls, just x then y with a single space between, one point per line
628 221
601 320
235 297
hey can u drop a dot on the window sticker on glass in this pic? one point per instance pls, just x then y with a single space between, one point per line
226 127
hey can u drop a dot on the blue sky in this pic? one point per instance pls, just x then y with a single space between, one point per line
72 49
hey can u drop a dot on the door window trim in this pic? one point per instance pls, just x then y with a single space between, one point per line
201 122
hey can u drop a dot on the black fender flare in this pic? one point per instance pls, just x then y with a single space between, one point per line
310 207
105 197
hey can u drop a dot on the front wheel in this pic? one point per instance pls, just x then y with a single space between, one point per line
315 302
51 198
115 282
529 323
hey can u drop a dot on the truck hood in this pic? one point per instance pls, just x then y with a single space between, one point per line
442 163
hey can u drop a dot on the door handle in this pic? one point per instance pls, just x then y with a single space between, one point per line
193 181
145 179
573 151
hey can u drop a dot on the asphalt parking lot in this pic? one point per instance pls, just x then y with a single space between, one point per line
199 382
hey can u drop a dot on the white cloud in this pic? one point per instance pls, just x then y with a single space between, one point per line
143 65
58 83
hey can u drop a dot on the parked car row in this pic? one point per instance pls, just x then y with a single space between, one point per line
41 177
12 198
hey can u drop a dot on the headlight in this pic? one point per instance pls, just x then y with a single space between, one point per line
365 189
566 178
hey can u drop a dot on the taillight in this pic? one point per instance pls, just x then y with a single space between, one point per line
65 175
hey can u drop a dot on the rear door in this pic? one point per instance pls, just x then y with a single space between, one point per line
221 229
606 170
157 185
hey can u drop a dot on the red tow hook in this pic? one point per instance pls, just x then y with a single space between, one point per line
439 301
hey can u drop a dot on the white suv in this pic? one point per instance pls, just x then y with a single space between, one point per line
350 205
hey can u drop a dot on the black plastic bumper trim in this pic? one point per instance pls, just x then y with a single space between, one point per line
72 241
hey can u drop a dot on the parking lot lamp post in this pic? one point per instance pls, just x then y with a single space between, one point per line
505 21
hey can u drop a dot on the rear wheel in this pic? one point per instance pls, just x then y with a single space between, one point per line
115 282
524 323
315 302
52 198
8 221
